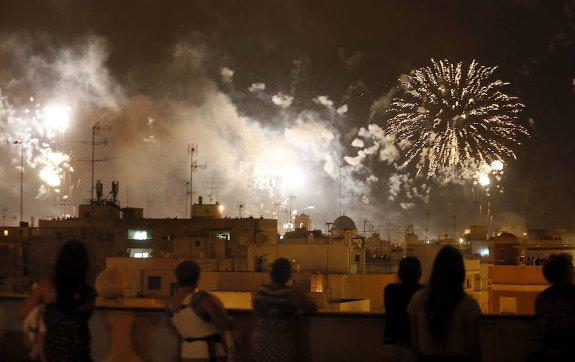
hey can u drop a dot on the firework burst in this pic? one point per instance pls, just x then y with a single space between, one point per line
37 128
452 120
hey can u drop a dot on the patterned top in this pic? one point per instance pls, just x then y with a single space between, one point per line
67 332
555 329
274 334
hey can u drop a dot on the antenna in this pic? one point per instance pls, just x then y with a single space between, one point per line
96 129
193 151
212 186
367 222
187 198
340 193
427 227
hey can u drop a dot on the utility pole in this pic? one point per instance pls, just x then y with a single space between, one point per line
187 198
340 193
21 143
427 227
193 151
328 289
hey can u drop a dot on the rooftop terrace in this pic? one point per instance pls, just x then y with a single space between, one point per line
134 332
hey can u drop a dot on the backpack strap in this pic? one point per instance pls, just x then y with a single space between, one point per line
194 304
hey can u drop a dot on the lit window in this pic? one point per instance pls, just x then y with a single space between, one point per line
6 233
484 252
140 253
139 234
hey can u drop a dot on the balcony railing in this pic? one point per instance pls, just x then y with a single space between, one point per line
124 333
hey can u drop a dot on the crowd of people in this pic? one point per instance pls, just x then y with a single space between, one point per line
433 322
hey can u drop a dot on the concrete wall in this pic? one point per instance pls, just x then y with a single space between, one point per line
310 257
517 285
145 334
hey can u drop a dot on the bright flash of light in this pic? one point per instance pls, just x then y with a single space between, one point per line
484 180
497 165
50 176
221 208
453 119
36 127
56 117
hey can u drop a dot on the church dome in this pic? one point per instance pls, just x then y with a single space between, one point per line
343 223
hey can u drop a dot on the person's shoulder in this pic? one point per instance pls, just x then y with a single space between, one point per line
418 297
392 287
468 299
470 305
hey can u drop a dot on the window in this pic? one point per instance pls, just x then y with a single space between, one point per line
139 234
6 233
198 243
357 258
154 282
223 234
140 253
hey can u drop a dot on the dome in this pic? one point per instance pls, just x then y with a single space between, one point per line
343 223
505 238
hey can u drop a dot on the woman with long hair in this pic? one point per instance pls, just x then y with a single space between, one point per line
68 304
444 320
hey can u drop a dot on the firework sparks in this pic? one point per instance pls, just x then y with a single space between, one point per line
452 120
56 117
36 127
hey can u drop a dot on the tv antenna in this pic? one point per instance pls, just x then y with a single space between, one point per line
212 186
97 129
194 166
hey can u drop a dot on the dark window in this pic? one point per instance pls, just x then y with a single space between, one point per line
198 243
154 283
357 258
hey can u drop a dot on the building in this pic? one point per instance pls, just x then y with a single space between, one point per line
341 251
108 231
513 288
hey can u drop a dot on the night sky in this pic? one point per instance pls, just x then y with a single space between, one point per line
352 51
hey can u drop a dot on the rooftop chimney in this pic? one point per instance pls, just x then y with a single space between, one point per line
199 200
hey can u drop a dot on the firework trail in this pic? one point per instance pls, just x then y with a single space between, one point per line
453 122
